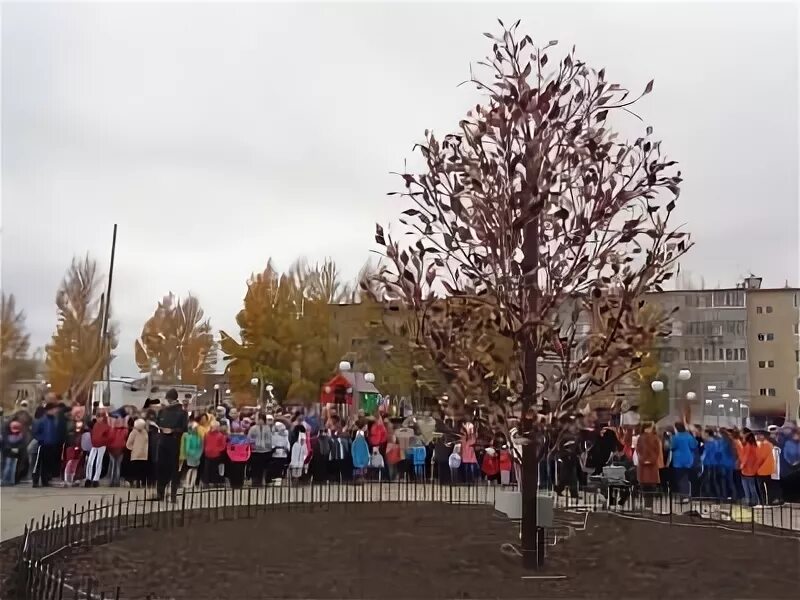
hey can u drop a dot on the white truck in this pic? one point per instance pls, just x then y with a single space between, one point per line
129 391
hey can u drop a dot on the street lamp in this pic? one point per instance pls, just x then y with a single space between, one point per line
691 396
684 374
344 366
369 377
216 394
657 386
254 381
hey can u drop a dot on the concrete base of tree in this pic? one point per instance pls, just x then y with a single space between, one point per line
509 503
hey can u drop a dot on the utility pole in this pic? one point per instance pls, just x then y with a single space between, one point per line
107 312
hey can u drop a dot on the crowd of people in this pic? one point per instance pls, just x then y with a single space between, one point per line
171 446
755 467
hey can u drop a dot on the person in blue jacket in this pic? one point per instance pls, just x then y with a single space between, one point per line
790 463
711 465
683 446
727 465
47 431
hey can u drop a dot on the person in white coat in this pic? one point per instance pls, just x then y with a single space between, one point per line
297 463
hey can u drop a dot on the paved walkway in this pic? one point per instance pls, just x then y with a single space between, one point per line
20 504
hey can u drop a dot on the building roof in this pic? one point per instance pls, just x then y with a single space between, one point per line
359 384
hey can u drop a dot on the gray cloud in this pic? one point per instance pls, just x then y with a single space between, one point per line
219 135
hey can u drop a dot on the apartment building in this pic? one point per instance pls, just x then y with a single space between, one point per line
709 337
772 336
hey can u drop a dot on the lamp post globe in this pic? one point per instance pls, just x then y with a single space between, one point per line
369 377
690 396
684 374
657 386
344 366
254 381
216 386
269 388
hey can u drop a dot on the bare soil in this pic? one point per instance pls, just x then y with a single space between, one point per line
423 551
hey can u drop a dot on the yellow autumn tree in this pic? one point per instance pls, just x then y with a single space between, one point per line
652 405
177 341
77 354
14 344
285 330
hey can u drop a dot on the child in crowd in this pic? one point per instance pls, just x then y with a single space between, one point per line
138 444
74 456
214 445
454 462
190 453
376 463
280 451
505 464
118 437
13 446
101 434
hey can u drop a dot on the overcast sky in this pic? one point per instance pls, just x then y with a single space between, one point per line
220 135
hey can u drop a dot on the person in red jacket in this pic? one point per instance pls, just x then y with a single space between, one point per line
118 437
101 434
491 465
506 464
214 446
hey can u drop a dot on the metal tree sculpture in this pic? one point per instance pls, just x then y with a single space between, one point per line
536 211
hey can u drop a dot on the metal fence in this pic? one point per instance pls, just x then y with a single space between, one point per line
656 506
37 577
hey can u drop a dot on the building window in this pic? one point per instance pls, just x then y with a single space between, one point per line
761 337
761 364
743 353
771 392
769 309
735 354
795 300
797 356
759 310
771 364
762 392
721 354
796 328
770 337
728 354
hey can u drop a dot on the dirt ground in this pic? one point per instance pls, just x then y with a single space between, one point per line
431 551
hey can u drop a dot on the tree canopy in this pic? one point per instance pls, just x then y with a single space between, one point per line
77 354
178 341
14 343
285 330
539 226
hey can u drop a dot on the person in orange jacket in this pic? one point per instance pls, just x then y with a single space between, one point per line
765 465
748 459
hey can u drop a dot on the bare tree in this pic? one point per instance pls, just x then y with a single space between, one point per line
546 225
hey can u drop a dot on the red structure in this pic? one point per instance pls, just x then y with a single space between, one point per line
337 391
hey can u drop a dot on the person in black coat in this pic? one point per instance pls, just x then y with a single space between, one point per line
172 422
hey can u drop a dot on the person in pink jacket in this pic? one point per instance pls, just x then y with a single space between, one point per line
469 461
